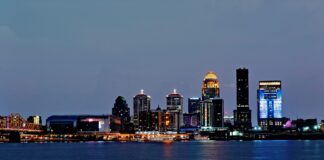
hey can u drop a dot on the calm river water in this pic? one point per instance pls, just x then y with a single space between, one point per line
212 150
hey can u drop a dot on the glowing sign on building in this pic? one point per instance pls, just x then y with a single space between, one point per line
270 99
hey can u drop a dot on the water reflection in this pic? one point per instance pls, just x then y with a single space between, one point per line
208 150
167 150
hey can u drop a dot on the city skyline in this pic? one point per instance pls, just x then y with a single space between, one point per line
185 106
78 62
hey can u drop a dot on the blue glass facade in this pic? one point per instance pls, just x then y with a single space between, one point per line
269 104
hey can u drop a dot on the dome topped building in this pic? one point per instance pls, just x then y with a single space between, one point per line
211 76
210 87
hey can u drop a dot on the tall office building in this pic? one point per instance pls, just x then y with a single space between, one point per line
211 106
193 105
270 105
175 107
210 87
141 104
211 114
242 115
121 110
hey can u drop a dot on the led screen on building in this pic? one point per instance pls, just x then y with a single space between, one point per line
270 103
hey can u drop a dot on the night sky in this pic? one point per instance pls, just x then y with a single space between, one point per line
77 56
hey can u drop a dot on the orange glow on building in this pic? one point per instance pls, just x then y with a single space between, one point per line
210 86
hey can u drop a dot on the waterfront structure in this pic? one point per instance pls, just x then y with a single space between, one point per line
121 110
37 120
322 125
15 121
270 105
174 102
142 105
228 121
302 125
210 87
69 124
242 115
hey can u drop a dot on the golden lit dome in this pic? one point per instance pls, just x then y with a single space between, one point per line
210 75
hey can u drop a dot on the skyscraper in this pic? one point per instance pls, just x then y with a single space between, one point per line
242 115
269 105
211 106
121 110
141 104
210 87
211 114
175 107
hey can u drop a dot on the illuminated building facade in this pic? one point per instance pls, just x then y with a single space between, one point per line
141 104
269 105
37 120
210 87
16 121
121 110
82 123
174 102
242 115
211 106
211 114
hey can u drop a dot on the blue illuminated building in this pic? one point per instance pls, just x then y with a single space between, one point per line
270 105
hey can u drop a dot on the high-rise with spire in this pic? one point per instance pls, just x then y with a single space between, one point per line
174 102
142 106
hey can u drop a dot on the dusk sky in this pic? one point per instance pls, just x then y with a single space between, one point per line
77 56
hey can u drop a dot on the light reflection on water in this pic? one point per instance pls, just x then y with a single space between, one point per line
208 150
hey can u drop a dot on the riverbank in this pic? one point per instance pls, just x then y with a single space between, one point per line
164 138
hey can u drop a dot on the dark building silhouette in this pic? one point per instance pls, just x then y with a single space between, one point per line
157 119
145 121
193 105
142 105
190 120
121 110
242 115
